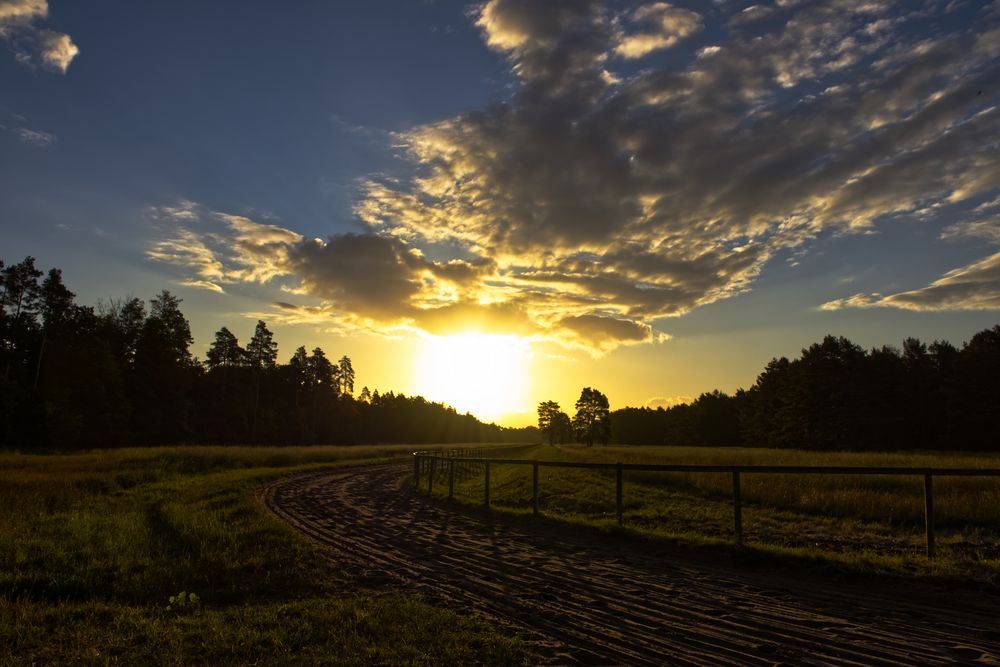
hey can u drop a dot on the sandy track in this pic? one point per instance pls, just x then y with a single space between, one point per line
623 603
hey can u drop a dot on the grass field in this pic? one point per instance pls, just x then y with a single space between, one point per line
859 523
92 547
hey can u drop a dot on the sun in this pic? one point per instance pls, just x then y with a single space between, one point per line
485 374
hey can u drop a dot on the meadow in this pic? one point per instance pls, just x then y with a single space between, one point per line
97 548
865 524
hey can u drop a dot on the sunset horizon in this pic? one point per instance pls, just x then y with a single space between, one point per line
650 198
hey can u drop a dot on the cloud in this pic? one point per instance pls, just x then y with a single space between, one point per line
22 10
35 137
643 196
203 284
973 287
524 25
29 43
984 228
371 282
667 401
603 333
598 199
750 14
56 50
664 25
366 274
219 248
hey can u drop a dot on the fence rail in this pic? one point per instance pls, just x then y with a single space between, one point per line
461 465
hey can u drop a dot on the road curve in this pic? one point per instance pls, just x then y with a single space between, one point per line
622 602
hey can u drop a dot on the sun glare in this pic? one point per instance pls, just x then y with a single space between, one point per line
485 374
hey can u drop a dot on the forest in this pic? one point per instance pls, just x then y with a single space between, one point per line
76 377
838 396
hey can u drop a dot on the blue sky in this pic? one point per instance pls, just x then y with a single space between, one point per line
664 195
238 106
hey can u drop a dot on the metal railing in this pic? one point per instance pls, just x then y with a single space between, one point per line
458 463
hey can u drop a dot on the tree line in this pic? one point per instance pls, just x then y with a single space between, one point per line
76 376
838 396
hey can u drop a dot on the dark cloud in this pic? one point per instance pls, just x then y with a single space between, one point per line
463 272
362 273
556 47
604 333
646 195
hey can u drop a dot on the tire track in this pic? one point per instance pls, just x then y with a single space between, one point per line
586 603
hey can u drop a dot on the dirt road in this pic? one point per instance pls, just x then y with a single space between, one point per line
618 601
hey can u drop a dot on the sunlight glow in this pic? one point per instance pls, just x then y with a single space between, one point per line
485 374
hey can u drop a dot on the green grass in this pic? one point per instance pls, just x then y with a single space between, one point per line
93 545
375 630
858 523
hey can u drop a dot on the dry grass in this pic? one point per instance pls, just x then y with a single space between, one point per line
866 523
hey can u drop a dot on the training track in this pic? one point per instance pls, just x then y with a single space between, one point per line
581 598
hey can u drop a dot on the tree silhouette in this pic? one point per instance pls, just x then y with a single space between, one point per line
20 288
346 376
593 417
56 300
123 320
548 420
72 377
262 351
56 307
262 355
225 351
979 367
164 373
19 304
300 360
170 329
562 427
321 372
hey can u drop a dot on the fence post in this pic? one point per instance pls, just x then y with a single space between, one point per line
618 491
929 512
737 509
430 477
487 498
416 470
534 487
451 479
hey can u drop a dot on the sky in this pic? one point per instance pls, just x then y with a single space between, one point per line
500 203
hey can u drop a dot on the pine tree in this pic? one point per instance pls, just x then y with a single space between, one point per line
346 376
171 327
321 372
262 351
56 300
225 351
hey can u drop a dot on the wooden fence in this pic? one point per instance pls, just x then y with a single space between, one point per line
461 464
